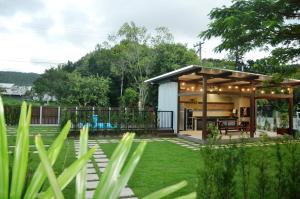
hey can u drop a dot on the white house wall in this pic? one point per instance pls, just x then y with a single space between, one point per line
168 101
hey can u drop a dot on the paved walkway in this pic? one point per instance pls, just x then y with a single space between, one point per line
92 177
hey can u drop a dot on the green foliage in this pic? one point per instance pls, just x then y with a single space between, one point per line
284 120
130 98
73 88
2 90
218 63
14 186
18 78
131 56
267 125
246 25
216 178
87 91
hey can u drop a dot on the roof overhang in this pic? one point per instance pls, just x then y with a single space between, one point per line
174 74
217 75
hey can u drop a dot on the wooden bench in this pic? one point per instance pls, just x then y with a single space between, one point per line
232 126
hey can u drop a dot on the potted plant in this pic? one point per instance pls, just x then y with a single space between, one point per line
284 121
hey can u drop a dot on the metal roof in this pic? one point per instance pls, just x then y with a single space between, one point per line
194 71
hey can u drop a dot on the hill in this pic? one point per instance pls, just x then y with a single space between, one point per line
18 78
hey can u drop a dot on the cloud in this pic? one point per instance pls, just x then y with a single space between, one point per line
10 7
56 31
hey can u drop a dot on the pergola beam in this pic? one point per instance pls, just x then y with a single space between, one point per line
204 108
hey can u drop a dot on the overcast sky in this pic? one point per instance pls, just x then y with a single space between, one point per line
36 34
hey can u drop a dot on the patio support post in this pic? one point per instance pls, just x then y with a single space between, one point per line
204 108
252 114
291 116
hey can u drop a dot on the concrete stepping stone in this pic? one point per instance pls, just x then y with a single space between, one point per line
89 194
91 185
100 156
98 153
101 160
126 192
90 170
92 177
102 164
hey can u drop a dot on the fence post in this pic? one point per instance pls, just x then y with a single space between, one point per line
172 120
156 112
58 115
109 108
41 114
76 117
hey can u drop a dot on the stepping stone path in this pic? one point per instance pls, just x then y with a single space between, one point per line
102 161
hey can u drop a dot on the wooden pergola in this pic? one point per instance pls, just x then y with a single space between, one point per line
229 82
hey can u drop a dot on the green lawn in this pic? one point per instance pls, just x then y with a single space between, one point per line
163 164
66 157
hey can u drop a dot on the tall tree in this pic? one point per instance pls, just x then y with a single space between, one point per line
138 57
248 24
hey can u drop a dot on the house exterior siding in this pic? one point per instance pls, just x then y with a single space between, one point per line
168 100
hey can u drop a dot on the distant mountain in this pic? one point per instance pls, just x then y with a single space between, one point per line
18 78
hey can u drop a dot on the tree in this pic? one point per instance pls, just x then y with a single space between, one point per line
171 56
120 66
248 24
138 57
87 91
53 82
130 98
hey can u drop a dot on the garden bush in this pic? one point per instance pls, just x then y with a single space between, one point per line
244 170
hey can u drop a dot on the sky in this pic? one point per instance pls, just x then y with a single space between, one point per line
37 34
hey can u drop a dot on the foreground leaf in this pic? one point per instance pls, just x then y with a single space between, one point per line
114 167
40 175
21 154
166 191
188 196
47 166
69 173
81 176
4 160
128 170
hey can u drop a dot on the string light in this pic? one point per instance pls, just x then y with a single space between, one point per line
229 87
211 90
193 88
253 88
236 87
201 89
282 90
262 92
248 89
243 89
220 89
272 92
183 83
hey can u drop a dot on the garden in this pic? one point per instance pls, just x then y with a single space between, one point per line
261 169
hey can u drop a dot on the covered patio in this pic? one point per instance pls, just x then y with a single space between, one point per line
201 96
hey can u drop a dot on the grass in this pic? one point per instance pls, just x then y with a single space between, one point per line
162 164
66 157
